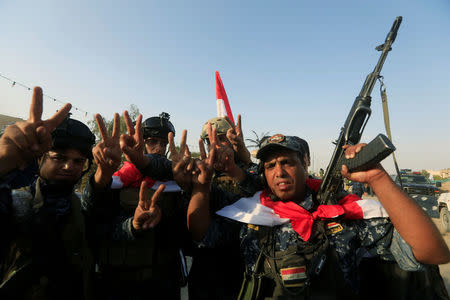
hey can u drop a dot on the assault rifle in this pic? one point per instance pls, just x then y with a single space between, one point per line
376 150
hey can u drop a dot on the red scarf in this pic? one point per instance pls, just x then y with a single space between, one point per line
131 176
302 220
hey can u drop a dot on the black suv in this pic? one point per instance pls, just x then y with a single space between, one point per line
419 188
417 184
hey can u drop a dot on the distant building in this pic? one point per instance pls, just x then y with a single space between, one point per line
434 173
445 173
7 120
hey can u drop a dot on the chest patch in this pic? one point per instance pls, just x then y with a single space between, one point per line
254 227
333 228
293 277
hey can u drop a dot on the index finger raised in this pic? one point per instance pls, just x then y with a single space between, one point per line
143 195
211 135
172 148
128 122
139 128
183 141
58 117
239 125
157 195
201 146
36 105
101 126
116 126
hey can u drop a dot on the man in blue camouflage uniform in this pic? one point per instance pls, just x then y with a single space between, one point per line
284 264
44 250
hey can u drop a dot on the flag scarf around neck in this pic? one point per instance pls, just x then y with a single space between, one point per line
223 106
130 176
260 209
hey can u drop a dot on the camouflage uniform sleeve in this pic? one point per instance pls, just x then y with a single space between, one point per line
403 254
105 219
220 232
14 180
20 178
159 168
223 230
380 238
250 185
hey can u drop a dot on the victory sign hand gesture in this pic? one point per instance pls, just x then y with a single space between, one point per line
24 141
183 165
205 166
236 138
147 214
132 144
224 160
107 153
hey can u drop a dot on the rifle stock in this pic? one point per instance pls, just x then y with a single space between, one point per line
353 128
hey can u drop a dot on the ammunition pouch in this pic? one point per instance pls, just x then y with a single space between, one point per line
286 273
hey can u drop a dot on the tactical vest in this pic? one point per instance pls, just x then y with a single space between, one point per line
154 254
19 276
285 274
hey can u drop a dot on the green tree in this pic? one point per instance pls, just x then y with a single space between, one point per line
133 111
425 173
256 142
437 177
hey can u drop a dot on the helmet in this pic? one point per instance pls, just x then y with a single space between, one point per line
221 125
73 134
157 126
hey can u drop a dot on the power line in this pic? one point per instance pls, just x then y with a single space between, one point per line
15 82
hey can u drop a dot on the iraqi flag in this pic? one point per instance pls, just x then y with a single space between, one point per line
261 210
223 106
130 176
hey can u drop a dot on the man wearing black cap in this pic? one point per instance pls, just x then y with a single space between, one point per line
293 247
46 256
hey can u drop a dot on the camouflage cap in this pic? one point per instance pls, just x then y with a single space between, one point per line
220 123
280 142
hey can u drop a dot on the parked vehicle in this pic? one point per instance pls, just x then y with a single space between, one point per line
444 201
428 196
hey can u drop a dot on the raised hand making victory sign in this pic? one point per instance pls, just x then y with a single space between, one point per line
132 144
147 214
24 141
236 139
107 153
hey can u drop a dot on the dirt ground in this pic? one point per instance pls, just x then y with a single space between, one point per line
446 186
445 269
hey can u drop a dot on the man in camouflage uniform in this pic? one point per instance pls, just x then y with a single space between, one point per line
295 249
137 245
44 250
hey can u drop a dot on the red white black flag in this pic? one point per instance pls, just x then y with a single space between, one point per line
223 106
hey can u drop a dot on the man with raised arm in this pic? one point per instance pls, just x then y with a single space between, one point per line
293 247
211 276
44 253
137 245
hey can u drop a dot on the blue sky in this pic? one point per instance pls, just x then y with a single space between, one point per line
291 67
